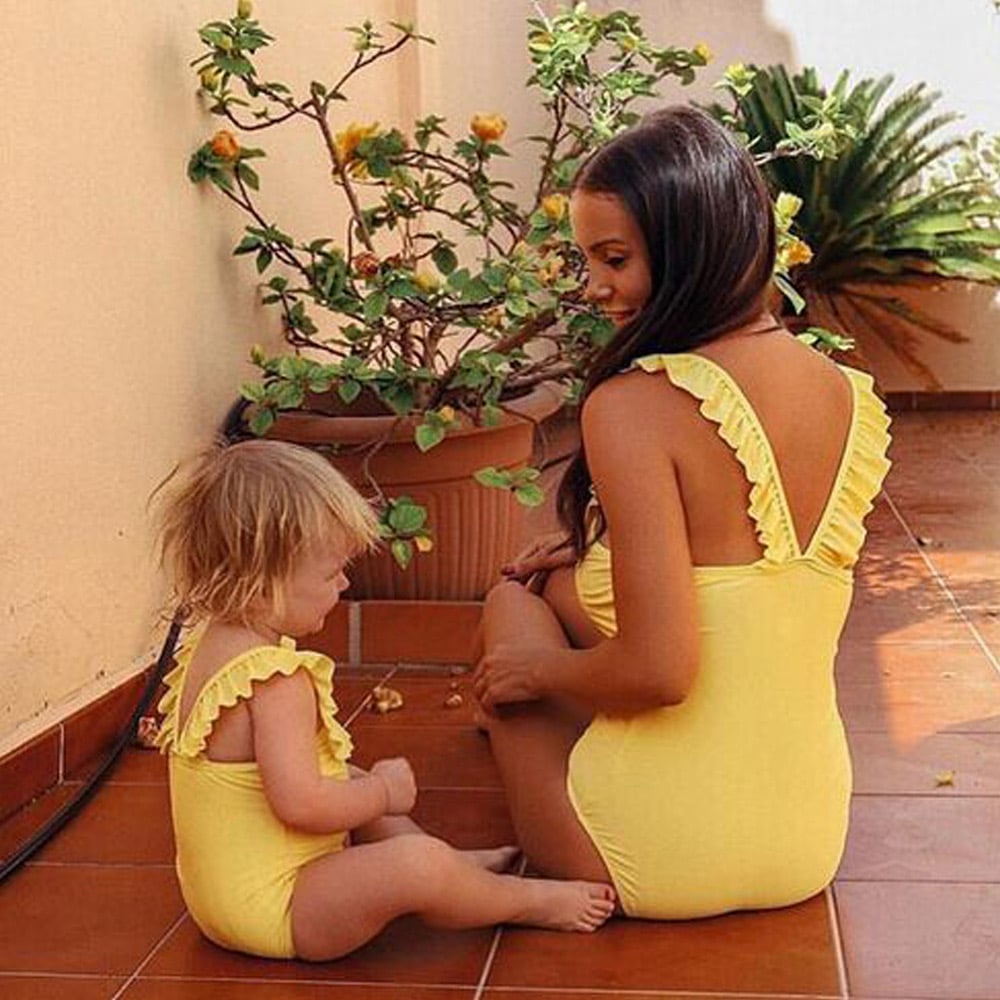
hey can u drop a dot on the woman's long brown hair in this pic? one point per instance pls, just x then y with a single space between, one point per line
708 224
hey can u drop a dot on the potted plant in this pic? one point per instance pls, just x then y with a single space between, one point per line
449 313
893 211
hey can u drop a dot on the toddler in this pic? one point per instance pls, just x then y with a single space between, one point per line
284 849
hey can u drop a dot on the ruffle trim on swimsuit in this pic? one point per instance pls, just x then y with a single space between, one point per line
233 682
723 403
838 542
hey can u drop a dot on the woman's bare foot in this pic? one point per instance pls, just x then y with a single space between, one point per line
567 906
494 859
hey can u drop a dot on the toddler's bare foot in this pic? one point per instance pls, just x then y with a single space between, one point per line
494 859
567 906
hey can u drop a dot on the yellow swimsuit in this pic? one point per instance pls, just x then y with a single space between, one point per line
236 861
738 798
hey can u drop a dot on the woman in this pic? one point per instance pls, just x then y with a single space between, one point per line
685 741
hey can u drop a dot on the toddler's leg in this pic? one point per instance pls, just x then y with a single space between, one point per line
494 859
343 900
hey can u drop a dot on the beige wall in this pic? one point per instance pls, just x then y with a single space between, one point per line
127 321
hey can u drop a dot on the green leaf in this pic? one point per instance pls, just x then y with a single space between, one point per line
493 477
264 258
375 306
428 435
406 518
349 390
402 551
530 495
444 259
262 421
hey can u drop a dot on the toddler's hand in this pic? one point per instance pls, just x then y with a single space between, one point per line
397 775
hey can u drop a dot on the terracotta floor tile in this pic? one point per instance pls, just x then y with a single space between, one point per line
788 951
405 952
187 989
913 710
883 765
923 839
17 829
442 756
58 987
919 613
120 824
465 817
511 994
82 918
889 662
424 703
351 690
921 939
139 767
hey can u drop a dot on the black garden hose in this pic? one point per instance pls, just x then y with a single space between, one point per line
59 819
233 429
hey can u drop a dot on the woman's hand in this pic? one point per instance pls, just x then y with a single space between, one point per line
508 673
401 787
546 553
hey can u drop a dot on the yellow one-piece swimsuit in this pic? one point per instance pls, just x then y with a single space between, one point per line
738 797
236 861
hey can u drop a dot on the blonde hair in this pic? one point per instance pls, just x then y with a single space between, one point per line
233 519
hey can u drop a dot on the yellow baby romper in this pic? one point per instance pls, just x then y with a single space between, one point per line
738 797
236 861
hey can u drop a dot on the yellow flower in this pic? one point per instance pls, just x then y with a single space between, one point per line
488 128
703 52
244 9
224 145
447 414
798 252
348 140
427 280
209 77
788 205
423 543
554 206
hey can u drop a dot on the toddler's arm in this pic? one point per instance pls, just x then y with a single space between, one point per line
284 714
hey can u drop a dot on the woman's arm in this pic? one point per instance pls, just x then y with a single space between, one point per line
652 660
283 712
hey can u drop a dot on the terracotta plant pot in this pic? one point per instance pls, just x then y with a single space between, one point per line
475 528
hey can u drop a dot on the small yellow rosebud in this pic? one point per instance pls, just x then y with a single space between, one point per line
244 9
555 206
209 77
427 281
703 52
257 354
447 414
488 128
423 543
788 205
224 145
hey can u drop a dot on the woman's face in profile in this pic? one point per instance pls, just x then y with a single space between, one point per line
618 282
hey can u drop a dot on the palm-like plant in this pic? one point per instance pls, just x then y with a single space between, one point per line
869 215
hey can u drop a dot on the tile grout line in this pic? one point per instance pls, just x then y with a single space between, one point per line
366 701
942 583
488 964
156 947
838 943
491 955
